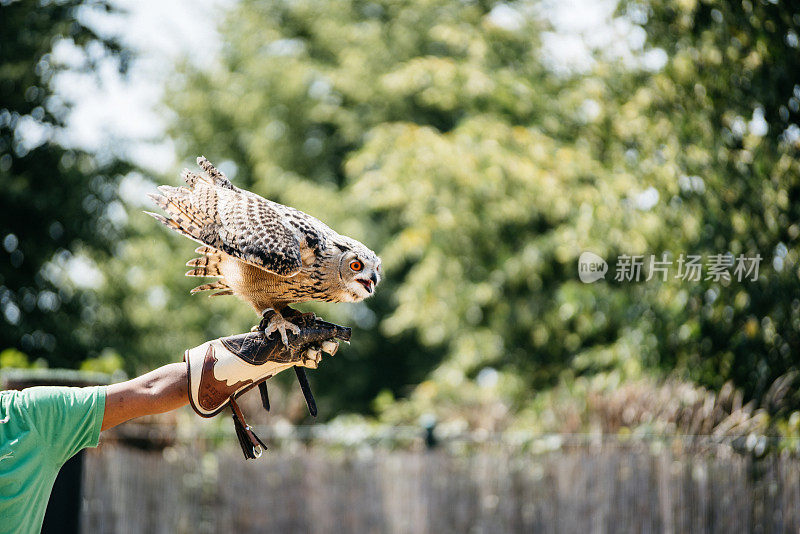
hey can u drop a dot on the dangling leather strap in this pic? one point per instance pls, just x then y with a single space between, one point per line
262 388
252 446
306 389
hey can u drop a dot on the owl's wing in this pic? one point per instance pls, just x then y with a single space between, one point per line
212 211
254 231
239 223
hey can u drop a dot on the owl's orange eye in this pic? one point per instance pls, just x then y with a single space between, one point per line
356 265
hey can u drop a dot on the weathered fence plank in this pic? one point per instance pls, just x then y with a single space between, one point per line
583 489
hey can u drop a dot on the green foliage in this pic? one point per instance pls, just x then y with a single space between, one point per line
14 358
55 201
109 362
422 129
724 109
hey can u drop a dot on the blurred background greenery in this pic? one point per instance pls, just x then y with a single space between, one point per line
438 133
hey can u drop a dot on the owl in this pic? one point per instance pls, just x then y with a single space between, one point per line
267 254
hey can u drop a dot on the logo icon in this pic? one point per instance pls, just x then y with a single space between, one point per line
591 267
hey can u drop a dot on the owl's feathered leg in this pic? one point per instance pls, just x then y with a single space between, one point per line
277 323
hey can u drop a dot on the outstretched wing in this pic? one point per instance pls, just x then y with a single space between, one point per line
244 225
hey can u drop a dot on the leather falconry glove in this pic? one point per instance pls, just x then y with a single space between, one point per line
223 369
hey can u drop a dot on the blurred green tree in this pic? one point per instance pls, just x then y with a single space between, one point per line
720 121
424 130
53 210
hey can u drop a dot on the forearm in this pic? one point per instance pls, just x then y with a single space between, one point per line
158 391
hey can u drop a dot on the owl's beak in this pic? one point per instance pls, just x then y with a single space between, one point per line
369 285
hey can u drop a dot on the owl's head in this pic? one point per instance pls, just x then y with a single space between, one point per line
359 271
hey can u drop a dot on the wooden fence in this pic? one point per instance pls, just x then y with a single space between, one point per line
584 488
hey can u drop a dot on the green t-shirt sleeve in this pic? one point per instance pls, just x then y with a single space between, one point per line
67 419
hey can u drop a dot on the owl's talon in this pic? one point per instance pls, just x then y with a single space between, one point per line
277 323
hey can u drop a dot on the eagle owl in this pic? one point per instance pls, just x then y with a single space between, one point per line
268 254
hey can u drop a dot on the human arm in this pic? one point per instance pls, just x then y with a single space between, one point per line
161 390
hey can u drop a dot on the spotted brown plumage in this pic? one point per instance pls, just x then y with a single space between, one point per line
268 254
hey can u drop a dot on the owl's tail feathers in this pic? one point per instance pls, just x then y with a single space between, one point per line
207 265
223 288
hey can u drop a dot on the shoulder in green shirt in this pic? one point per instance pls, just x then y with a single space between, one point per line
40 429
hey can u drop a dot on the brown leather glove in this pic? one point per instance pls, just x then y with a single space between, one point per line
223 369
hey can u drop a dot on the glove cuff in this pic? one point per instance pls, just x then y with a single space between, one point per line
217 373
